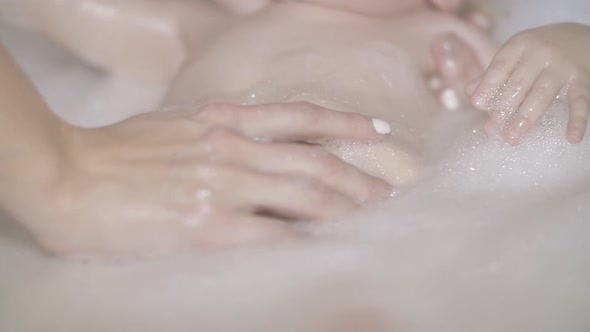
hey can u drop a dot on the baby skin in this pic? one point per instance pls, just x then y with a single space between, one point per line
528 73
381 8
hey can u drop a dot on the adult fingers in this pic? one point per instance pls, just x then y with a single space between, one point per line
314 162
242 229
579 104
224 145
244 7
288 197
448 5
298 121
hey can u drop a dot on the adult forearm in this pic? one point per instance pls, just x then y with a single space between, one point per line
138 38
27 127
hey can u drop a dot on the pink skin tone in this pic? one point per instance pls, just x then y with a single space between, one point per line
243 7
173 181
529 72
384 8
123 190
457 65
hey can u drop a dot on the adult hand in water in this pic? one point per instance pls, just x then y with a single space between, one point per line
169 181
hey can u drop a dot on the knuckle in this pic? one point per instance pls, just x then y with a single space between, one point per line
312 187
523 37
317 193
545 86
221 137
212 172
500 65
308 114
329 164
207 170
515 83
548 52
579 102
219 112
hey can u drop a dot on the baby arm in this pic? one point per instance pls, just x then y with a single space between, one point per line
529 72
138 38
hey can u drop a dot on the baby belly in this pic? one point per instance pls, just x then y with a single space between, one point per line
393 160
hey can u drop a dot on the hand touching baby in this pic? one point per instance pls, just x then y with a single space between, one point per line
529 72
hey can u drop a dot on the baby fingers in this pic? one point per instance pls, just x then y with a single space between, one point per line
520 83
579 104
539 99
498 72
299 121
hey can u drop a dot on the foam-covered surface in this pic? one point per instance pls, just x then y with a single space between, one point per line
494 239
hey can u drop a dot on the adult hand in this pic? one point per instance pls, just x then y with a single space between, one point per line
170 181
243 7
447 5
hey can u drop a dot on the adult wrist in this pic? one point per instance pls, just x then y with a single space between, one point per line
31 165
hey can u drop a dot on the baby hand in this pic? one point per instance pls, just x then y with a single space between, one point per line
529 72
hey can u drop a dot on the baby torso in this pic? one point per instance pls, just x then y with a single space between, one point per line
347 62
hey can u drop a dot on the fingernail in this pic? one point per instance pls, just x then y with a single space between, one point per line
381 127
479 101
515 132
450 100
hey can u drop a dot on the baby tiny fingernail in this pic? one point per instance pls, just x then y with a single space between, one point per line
479 101
381 127
575 137
450 100
516 131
